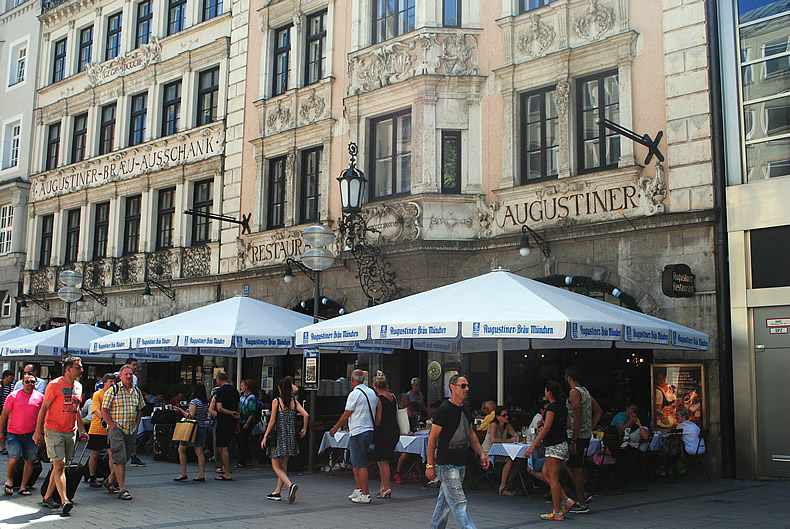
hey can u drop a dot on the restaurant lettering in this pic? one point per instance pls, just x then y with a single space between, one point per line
594 202
677 281
129 163
276 250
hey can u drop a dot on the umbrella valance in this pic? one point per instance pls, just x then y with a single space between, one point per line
49 344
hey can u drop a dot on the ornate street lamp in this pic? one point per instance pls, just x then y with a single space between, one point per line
70 293
352 184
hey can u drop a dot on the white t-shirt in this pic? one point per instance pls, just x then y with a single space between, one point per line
634 438
691 438
361 420
535 419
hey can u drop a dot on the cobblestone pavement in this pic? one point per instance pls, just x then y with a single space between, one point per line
322 503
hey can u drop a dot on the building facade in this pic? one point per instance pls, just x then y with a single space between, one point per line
19 33
753 38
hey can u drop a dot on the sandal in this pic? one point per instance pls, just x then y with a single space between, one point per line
25 492
124 495
9 490
384 493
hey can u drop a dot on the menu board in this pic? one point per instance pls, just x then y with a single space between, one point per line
675 386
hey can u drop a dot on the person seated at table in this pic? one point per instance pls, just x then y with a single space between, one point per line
413 410
626 419
415 395
691 433
488 412
537 420
434 406
501 431
176 401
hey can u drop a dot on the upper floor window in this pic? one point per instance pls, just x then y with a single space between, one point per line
211 9
171 108
79 132
598 97
529 5
275 216
164 218
101 230
392 18
308 188
113 37
202 202
6 228
72 235
18 64
539 135
316 48
5 310
208 96
131 225
47 227
59 61
451 13
176 16
11 138
391 142
86 48
282 52
777 67
144 16
53 146
451 161
107 129
137 119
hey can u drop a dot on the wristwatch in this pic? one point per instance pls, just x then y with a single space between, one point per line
428 465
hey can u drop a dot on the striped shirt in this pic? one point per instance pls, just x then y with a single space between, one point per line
123 406
201 409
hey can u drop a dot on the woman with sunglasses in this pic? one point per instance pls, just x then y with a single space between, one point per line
501 431
555 439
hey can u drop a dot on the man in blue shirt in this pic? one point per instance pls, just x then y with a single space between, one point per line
625 419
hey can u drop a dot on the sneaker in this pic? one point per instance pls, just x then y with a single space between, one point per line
292 492
52 504
362 498
399 478
136 462
553 515
508 492
67 507
579 509
588 498
274 496
356 494
567 505
434 483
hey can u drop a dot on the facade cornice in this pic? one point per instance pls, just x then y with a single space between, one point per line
18 11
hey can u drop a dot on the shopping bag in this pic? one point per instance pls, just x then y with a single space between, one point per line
185 431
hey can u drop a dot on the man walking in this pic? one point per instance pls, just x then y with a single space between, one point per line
360 412
132 362
121 411
21 409
583 415
226 402
57 420
450 438
41 385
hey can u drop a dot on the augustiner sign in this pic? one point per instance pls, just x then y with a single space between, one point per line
194 146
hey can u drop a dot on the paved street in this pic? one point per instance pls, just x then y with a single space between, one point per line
160 502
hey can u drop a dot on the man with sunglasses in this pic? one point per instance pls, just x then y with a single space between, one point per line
21 409
448 445
57 421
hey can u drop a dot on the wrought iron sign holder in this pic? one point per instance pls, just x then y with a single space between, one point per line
244 222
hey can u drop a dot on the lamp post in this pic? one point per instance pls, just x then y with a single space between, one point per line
316 258
70 293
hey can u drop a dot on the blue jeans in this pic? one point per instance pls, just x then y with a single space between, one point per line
451 496
358 446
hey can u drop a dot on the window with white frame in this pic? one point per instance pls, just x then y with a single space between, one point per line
391 148
12 134
5 309
17 62
6 225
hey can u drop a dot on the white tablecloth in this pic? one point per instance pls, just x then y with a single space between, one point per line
517 450
340 440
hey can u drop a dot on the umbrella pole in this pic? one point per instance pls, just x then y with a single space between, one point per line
500 372
238 369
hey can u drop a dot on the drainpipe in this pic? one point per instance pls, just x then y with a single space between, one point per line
727 416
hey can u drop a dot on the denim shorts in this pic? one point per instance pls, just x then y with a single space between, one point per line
358 446
21 445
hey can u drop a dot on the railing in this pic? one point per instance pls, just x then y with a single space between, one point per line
46 5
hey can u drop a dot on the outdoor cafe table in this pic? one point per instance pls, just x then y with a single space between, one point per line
334 443
416 444
517 450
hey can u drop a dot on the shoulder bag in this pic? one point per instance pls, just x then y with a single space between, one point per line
271 439
185 431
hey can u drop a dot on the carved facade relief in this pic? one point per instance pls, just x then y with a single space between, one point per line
535 40
595 21
458 54
655 189
279 118
133 61
400 222
312 108
563 92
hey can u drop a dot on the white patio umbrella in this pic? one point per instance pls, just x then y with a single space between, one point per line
49 344
226 328
15 332
499 311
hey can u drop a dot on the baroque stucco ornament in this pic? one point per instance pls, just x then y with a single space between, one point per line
383 66
458 55
119 66
312 108
394 222
536 39
563 91
655 189
279 119
595 21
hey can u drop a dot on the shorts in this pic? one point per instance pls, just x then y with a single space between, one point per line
537 464
121 445
358 446
60 445
97 442
21 445
577 461
200 437
224 433
558 451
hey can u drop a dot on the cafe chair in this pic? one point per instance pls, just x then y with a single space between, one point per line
669 455
607 469
695 460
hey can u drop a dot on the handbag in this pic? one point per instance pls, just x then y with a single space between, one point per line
185 431
271 439
402 416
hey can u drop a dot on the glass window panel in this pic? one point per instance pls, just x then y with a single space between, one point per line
611 90
551 105
768 158
404 173
534 165
591 128
591 153
612 149
383 182
551 161
533 136
590 95
552 131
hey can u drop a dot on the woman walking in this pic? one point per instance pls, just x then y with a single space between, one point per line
249 415
198 410
555 439
386 434
279 449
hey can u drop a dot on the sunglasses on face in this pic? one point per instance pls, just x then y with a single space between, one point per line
463 386
30 382
503 415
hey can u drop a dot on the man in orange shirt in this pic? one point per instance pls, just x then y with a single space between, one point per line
57 420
